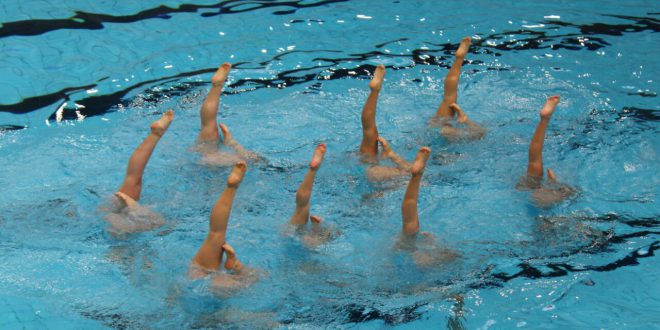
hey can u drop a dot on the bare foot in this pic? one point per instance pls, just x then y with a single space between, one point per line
420 161
551 175
220 76
315 219
317 159
160 126
127 200
232 262
387 150
549 106
463 47
226 133
377 81
462 117
237 174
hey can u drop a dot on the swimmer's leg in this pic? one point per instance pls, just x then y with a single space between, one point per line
451 81
132 185
378 173
232 143
304 193
409 205
535 163
389 153
209 255
126 200
369 144
474 130
209 111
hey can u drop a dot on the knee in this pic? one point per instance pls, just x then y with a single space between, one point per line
451 79
409 203
303 196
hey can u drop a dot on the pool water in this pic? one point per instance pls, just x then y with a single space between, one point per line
80 82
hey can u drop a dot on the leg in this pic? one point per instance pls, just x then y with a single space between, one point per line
209 255
232 143
389 153
209 111
132 185
369 144
535 164
378 173
451 81
473 130
304 193
409 205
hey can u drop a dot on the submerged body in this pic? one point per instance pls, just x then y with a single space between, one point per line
126 215
544 193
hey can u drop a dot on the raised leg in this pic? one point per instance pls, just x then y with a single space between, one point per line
232 143
132 185
535 164
451 81
209 255
409 205
304 193
369 144
209 111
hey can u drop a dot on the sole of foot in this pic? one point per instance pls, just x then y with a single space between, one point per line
549 107
317 159
377 81
237 174
463 47
160 126
420 161
220 76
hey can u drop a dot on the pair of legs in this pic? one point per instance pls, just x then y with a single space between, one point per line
130 217
371 139
449 107
301 215
430 254
553 192
209 256
209 134
410 224
131 188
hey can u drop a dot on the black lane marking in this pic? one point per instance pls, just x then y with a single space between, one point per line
563 269
97 105
37 102
95 21
640 114
357 313
11 128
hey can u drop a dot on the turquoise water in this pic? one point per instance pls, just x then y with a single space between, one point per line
300 78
